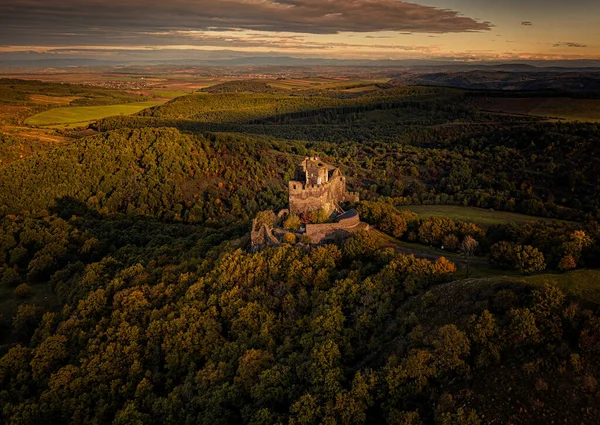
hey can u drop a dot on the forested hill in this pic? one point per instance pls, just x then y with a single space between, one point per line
244 107
156 172
243 87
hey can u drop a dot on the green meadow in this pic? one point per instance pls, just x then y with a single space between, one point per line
82 114
580 283
480 216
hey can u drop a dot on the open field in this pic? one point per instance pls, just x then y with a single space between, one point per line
580 283
479 216
586 110
82 114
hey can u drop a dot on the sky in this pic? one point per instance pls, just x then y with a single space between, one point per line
462 30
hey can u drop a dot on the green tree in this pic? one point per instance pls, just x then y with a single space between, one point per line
528 259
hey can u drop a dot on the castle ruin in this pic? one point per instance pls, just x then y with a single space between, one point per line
316 186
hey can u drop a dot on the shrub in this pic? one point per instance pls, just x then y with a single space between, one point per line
319 216
10 277
23 291
290 238
292 222
451 242
567 263
265 217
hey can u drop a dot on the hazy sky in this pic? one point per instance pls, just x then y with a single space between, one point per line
462 29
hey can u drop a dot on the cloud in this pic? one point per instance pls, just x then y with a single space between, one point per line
99 21
527 23
570 44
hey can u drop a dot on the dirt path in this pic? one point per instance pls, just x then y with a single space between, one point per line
424 253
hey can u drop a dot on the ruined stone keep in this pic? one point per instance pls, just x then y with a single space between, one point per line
318 185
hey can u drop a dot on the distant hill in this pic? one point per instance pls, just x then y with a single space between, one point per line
243 86
573 82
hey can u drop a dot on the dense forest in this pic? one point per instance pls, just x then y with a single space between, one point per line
128 293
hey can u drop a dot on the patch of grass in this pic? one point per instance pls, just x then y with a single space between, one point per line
584 284
475 215
82 114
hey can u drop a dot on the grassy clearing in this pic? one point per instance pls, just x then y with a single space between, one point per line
82 114
584 284
479 216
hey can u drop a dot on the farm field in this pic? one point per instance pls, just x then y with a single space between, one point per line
479 216
84 114
585 110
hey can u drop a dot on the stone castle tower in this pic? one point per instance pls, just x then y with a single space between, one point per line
318 185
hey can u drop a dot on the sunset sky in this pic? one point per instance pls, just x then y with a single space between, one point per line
377 29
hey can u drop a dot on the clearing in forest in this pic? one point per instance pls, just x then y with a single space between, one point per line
83 114
480 216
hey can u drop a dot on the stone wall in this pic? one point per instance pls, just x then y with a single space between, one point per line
347 224
261 237
305 198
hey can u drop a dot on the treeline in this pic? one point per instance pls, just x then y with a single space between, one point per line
529 248
251 107
243 86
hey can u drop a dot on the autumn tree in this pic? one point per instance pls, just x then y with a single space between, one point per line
467 249
528 259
